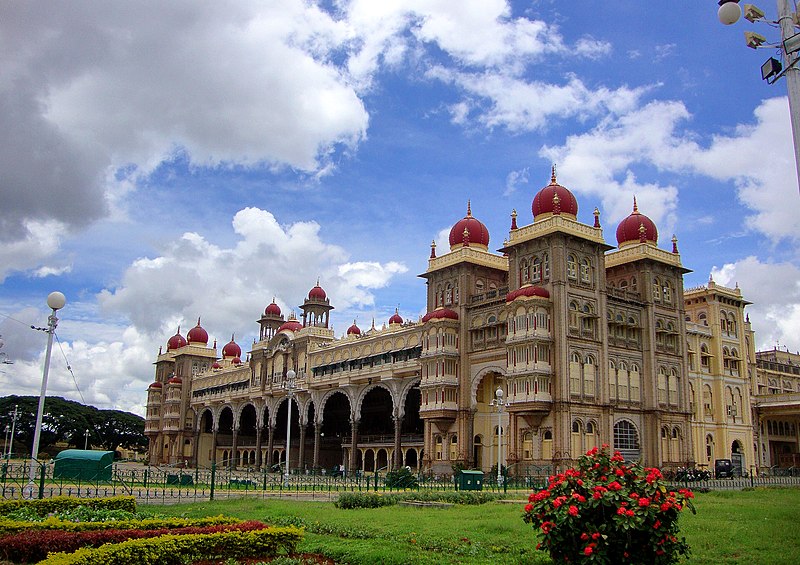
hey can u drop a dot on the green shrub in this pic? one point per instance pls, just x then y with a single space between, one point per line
401 478
11 526
350 500
176 550
609 512
46 506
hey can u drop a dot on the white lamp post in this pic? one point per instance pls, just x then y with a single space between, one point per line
5 442
86 440
498 401
56 301
13 430
290 375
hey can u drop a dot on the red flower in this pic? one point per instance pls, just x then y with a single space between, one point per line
614 486
528 508
629 512
588 550
657 524
666 506
644 502
621 510
573 510
585 536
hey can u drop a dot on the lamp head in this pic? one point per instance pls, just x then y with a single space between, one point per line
56 300
729 11
290 374
499 393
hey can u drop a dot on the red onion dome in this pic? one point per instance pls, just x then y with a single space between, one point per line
216 365
291 325
528 290
175 381
469 232
395 319
441 314
554 199
236 361
273 309
177 341
197 334
231 349
354 329
317 293
636 228
155 385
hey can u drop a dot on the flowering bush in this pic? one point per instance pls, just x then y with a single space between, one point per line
608 512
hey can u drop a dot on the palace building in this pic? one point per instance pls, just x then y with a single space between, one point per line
532 354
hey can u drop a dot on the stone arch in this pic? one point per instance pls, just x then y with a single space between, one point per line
476 381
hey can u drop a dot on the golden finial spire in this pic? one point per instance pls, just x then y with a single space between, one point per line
514 219
674 243
553 174
596 218
635 207
433 249
469 209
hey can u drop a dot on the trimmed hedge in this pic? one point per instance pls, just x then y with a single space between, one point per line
169 550
351 500
30 547
45 506
13 526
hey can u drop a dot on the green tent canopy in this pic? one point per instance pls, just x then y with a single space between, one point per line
84 465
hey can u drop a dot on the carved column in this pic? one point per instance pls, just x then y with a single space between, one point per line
317 431
270 445
302 454
195 448
234 446
258 447
398 450
214 446
353 446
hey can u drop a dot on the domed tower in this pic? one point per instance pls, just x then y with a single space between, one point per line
231 350
270 321
469 232
554 200
396 319
316 308
177 341
636 228
354 330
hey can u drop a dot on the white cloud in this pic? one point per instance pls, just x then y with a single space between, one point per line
35 249
774 290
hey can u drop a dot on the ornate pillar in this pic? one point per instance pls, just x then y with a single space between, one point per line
317 431
214 446
270 445
234 447
398 450
195 448
302 446
258 447
353 445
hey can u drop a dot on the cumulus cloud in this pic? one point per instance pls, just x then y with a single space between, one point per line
774 290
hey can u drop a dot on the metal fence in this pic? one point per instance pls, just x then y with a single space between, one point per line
153 484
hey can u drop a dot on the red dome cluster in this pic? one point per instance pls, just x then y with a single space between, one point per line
177 341
636 228
216 365
554 199
231 349
354 329
156 385
273 309
175 381
477 234
528 291
441 314
197 334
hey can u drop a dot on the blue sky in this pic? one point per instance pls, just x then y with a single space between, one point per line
167 162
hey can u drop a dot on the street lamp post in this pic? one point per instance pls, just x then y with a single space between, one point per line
5 442
730 12
290 376
499 403
13 431
86 440
56 301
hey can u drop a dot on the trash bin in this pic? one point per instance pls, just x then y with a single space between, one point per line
469 480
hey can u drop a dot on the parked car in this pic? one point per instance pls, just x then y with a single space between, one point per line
724 469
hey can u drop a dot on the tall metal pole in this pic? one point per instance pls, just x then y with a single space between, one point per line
13 430
55 301
5 442
86 440
786 22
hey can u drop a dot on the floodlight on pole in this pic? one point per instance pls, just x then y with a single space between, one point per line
729 11
56 301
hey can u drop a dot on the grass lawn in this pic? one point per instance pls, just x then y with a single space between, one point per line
755 527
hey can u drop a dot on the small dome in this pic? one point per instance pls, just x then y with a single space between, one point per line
554 199
469 230
177 341
155 385
291 325
636 228
273 309
354 329
231 349
236 361
317 293
197 334
175 381
395 319
528 290
216 365
441 314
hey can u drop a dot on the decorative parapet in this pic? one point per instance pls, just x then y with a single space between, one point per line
642 251
468 255
553 224
315 331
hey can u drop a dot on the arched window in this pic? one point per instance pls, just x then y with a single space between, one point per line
589 376
575 374
635 378
586 271
572 267
674 387
590 439
573 315
547 445
626 440
667 292
656 290
623 383
545 266
454 448
612 380
576 446
662 385
709 447
524 272
439 448
536 270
